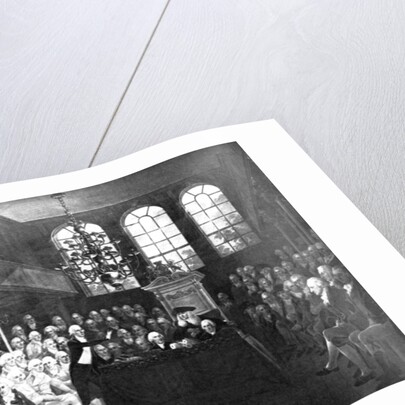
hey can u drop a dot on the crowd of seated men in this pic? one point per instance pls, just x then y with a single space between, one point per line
37 369
309 303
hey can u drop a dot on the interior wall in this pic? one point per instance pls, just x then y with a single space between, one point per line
229 169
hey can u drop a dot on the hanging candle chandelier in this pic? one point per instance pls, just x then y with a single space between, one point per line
91 257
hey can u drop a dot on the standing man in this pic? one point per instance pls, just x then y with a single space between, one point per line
83 367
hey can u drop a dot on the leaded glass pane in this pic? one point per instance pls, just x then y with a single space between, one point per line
151 251
194 263
173 257
229 234
170 230
218 198
201 218
148 224
234 218
238 244
183 266
163 220
136 229
187 198
193 207
204 201
216 239
186 252
64 234
213 213
221 223
225 249
195 190
178 240
164 246
226 208
209 228
209 189
92 228
155 211
130 219
143 240
140 212
157 236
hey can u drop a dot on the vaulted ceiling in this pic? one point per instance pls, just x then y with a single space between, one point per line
117 191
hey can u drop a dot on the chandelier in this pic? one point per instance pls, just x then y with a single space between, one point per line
93 258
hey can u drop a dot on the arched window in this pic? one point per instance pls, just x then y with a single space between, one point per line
159 238
218 219
64 240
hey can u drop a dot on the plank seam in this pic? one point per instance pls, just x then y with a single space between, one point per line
129 84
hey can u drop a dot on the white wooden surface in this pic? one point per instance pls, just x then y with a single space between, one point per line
64 66
86 82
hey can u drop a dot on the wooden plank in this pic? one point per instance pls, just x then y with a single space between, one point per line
330 72
64 66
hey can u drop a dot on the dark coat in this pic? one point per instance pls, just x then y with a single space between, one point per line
166 346
76 350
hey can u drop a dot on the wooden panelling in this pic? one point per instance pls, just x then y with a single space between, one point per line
64 66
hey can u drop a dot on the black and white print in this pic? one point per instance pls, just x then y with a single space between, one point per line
191 282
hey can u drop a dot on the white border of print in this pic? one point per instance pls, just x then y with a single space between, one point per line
357 243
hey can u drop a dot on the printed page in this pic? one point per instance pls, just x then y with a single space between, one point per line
221 267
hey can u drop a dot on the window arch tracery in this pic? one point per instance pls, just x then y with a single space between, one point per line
218 219
153 231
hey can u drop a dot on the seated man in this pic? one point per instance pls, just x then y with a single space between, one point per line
22 388
8 395
139 331
77 319
49 347
55 371
7 363
62 343
92 331
127 343
187 324
158 341
142 344
34 348
63 360
30 323
167 327
17 343
51 332
43 385
210 329
17 330
153 326
20 360
104 355
115 349
62 328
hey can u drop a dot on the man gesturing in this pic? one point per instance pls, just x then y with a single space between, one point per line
83 367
